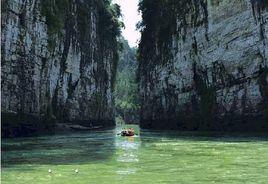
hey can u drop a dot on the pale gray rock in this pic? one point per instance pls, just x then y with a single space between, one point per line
69 81
215 78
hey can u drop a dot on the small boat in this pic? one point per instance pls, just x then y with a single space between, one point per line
128 132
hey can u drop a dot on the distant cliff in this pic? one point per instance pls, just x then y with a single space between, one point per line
203 64
58 62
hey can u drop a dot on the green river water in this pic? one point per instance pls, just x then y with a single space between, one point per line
151 157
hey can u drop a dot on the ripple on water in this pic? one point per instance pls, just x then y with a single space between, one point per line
128 158
103 157
126 171
127 145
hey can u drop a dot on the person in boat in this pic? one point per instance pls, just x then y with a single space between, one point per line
131 130
124 132
128 132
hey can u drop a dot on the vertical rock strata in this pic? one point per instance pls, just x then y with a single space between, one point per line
58 62
203 64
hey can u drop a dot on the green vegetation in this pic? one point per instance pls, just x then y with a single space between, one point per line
110 31
4 7
58 13
126 89
55 13
259 4
110 25
161 20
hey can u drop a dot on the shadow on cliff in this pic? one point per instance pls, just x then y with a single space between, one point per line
63 149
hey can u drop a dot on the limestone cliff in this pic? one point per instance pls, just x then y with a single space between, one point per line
58 63
203 64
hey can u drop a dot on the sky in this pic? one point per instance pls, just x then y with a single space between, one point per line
131 17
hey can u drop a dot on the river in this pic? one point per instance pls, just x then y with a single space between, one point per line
151 157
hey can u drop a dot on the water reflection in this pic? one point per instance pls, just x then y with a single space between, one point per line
151 157
82 147
127 149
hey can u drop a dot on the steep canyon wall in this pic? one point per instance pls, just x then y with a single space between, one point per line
58 62
203 65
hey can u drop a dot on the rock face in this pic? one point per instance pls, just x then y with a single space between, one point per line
58 63
204 68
